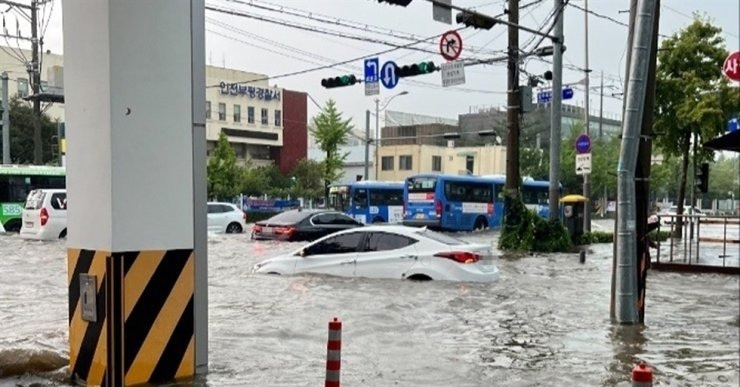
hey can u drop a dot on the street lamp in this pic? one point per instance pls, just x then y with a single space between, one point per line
377 127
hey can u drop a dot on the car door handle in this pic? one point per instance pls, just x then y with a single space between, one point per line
409 256
349 262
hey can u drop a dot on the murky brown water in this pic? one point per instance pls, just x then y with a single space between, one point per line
546 322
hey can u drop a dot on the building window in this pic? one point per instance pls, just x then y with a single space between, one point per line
22 87
237 113
264 117
208 109
386 163
250 114
278 118
405 163
222 111
437 163
469 163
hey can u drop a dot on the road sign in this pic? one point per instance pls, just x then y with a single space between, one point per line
583 164
545 96
371 76
453 73
388 75
583 143
731 67
441 13
450 45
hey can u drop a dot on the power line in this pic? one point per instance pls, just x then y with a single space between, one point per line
290 24
605 17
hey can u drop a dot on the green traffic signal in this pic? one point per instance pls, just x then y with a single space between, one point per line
416 69
344 80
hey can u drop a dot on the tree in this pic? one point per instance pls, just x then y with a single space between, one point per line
693 98
534 163
308 176
331 132
223 173
21 134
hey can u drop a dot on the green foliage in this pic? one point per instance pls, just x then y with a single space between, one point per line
588 238
692 95
308 176
523 230
723 178
330 132
223 173
21 134
534 163
256 216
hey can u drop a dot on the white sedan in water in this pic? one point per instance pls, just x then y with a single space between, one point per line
388 252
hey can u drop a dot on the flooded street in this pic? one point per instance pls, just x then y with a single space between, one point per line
546 322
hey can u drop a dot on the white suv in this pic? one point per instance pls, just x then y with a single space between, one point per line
226 218
45 215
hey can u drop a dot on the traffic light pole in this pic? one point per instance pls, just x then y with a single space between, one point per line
367 145
6 120
555 113
587 120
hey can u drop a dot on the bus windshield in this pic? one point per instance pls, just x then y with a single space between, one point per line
421 184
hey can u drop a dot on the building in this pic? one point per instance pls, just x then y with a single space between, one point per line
400 161
52 77
264 124
354 164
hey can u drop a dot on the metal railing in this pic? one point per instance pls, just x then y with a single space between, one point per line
687 248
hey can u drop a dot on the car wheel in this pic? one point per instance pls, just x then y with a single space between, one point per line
378 220
480 223
419 277
63 234
233 228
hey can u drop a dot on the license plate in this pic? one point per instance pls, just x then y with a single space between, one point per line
420 216
268 230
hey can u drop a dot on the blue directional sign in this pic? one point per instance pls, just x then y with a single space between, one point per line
388 75
732 125
583 144
371 70
545 96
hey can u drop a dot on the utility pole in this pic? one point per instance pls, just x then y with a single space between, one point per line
627 297
587 119
513 106
601 106
367 144
377 138
35 74
555 112
6 120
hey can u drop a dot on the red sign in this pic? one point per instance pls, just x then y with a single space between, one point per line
731 68
450 46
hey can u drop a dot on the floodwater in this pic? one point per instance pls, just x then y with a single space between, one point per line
546 322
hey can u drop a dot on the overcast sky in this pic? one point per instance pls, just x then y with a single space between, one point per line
272 49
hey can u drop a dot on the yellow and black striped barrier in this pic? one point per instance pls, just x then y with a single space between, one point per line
131 316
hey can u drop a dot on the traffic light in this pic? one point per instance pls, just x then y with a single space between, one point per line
402 3
415 69
702 178
344 80
475 20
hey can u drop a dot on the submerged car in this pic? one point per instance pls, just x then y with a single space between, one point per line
226 218
45 215
389 251
303 225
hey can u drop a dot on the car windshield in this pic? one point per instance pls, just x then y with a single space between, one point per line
442 238
289 217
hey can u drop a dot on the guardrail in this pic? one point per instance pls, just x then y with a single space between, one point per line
688 248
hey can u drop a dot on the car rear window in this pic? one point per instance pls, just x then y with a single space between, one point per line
35 200
442 238
289 217
59 201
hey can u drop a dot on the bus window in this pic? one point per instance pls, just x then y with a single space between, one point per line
359 198
422 184
469 192
388 197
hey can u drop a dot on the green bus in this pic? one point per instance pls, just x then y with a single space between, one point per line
16 181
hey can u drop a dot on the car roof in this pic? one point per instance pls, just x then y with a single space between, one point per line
51 190
227 203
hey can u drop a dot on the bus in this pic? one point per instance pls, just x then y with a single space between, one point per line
369 201
449 202
535 194
16 181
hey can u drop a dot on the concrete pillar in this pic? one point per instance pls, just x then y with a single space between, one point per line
135 108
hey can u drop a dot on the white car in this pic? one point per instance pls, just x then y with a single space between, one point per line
226 218
670 215
388 251
45 215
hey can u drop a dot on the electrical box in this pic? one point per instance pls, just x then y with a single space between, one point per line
88 293
525 99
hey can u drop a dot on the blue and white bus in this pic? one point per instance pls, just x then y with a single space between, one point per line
535 194
449 202
369 201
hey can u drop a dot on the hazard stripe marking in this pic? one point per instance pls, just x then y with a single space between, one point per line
173 354
147 308
164 332
79 263
187 365
144 264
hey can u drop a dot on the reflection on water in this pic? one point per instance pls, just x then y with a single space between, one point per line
546 322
